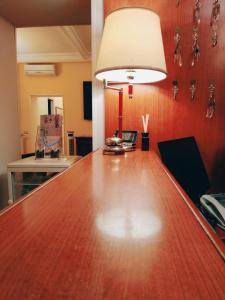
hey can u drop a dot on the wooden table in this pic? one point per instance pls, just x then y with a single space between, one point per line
110 227
30 164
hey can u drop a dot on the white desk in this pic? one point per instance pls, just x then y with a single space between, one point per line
30 164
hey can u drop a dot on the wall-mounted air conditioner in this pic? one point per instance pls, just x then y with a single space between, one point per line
39 69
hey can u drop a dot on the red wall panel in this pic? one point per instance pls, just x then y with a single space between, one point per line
170 118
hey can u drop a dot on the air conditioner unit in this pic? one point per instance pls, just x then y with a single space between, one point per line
39 69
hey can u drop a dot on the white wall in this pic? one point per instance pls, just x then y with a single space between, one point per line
9 115
98 101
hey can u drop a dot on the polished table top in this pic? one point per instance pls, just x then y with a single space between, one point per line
110 227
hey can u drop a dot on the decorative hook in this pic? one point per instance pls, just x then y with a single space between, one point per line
196 13
195 33
175 89
178 48
193 88
215 12
177 3
195 46
211 102
214 22
214 38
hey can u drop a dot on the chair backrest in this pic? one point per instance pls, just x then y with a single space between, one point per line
183 159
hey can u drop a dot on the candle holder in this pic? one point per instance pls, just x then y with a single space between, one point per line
145 141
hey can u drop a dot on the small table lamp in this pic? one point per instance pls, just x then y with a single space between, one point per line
131 51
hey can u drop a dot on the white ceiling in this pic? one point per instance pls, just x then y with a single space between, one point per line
30 13
54 44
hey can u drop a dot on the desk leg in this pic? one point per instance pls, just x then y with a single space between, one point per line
10 187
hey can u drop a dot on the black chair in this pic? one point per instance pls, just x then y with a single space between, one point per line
83 145
183 159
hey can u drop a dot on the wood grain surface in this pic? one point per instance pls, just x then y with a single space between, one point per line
183 117
110 227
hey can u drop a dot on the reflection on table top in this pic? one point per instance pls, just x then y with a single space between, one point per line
110 227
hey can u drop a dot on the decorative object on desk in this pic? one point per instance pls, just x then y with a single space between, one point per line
214 22
193 88
52 128
119 59
114 141
118 145
40 153
49 136
55 153
145 120
175 89
195 33
145 134
211 102
129 138
178 48
145 141
113 150
114 146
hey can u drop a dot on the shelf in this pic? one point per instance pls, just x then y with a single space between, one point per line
26 182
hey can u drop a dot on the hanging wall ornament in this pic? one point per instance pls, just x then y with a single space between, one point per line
175 89
214 22
177 3
195 33
193 89
196 13
195 47
178 48
211 102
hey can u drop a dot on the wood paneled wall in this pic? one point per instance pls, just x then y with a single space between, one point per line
171 119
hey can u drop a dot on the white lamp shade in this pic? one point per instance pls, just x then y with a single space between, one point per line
131 45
